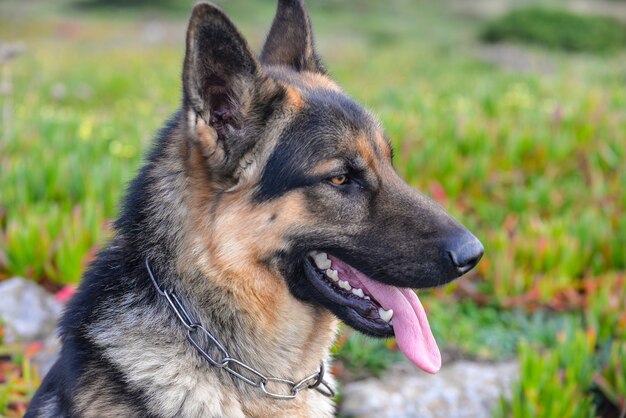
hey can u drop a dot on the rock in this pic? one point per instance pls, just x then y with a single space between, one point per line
462 389
28 312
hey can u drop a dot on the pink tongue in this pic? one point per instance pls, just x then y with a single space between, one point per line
410 324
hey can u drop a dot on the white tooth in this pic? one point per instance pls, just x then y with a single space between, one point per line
344 285
358 292
391 322
367 298
332 274
322 261
385 315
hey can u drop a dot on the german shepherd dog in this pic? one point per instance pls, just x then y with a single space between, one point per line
267 209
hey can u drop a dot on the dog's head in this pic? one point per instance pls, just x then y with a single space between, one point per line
294 176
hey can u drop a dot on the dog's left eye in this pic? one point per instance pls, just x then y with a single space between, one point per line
339 180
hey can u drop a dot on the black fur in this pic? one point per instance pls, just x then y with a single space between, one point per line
290 41
315 135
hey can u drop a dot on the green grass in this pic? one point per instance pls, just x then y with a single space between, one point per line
559 29
489 333
554 383
362 356
532 163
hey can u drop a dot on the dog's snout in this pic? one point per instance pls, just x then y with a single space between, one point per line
465 253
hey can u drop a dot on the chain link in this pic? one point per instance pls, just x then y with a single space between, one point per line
237 368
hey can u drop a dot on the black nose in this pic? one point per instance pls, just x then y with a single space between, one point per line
465 253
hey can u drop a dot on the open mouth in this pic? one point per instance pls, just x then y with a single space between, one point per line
375 308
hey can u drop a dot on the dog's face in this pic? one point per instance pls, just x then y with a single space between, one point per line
301 181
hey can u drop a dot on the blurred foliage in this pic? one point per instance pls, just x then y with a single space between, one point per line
18 379
489 333
553 383
612 379
160 5
361 356
532 163
556 28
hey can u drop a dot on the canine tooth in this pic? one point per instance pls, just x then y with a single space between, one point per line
367 298
344 285
385 315
358 292
322 261
332 274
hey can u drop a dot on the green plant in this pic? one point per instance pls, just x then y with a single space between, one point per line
612 378
557 29
492 333
606 306
363 356
554 383
18 380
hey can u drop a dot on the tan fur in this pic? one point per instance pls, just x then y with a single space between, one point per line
304 80
326 167
294 98
229 242
383 145
319 81
363 146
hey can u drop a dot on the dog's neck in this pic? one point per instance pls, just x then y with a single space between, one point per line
287 338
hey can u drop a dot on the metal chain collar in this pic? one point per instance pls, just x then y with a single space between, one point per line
236 367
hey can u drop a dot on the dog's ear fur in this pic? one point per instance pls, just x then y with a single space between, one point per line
218 65
290 41
224 86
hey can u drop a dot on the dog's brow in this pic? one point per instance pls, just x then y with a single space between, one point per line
367 148
328 166
383 144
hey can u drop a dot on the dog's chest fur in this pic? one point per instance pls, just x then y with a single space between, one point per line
143 348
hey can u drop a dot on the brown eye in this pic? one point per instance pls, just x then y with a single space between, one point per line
339 180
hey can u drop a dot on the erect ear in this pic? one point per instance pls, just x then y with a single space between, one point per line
290 41
221 77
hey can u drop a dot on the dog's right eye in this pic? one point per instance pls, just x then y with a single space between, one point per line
339 180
